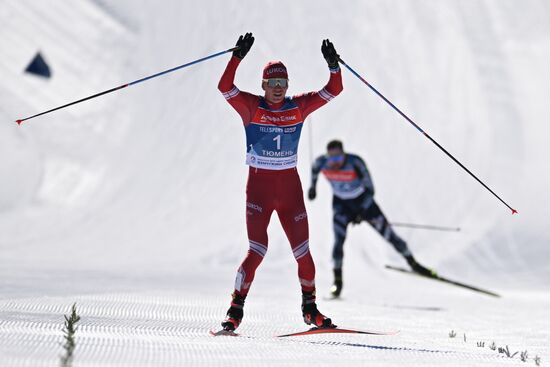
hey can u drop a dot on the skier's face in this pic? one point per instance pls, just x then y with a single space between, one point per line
335 158
275 89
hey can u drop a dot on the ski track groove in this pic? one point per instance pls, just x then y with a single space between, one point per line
140 329
152 328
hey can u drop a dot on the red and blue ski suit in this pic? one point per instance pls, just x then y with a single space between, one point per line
272 134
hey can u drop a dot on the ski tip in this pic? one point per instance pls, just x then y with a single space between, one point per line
514 211
337 330
19 122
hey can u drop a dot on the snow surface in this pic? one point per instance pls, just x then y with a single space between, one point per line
132 204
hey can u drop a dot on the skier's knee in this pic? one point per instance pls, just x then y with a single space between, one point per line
301 251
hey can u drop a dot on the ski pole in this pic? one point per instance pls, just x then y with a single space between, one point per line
310 130
424 133
129 84
425 226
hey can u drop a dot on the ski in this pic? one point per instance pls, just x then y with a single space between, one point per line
317 330
314 330
445 280
223 332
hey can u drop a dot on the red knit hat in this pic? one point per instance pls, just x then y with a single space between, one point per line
275 69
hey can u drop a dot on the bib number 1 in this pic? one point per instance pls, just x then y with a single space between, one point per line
278 140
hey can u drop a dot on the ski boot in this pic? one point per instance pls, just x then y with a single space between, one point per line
336 288
311 314
235 313
419 269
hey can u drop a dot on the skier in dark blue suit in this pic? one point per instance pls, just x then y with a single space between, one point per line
353 202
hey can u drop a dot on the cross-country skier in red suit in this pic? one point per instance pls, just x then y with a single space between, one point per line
273 123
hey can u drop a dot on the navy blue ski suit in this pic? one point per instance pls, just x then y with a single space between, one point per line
353 201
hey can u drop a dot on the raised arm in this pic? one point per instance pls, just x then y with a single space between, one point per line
243 102
309 102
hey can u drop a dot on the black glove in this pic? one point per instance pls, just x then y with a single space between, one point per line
369 191
330 54
311 193
244 43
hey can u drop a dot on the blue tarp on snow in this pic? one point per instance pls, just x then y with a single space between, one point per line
38 66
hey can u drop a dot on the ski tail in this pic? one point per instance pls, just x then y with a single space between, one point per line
446 280
223 332
337 331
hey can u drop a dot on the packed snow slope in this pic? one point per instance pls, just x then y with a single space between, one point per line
152 177
144 189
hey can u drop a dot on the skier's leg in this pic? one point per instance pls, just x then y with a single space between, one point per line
293 217
378 221
340 221
374 216
256 225
258 213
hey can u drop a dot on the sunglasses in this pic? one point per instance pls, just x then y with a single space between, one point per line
283 83
336 158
